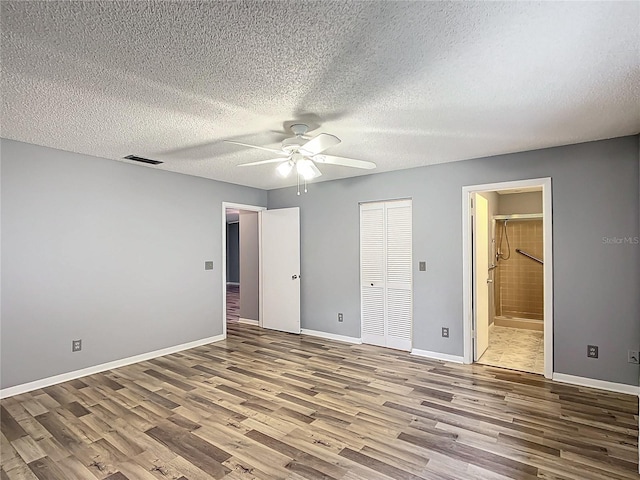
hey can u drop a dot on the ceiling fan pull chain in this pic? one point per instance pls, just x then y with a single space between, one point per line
305 184
298 176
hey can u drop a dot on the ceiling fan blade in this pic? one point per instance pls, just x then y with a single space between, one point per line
319 143
345 162
272 150
261 162
316 170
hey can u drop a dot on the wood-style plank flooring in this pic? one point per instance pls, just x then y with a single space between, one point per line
233 303
269 405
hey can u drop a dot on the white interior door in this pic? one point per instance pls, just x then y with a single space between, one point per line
481 275
372 270
399 274
280 269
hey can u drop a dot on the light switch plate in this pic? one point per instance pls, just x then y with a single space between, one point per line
423 266
208 265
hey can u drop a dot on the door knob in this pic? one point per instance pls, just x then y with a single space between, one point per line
489 280
293 277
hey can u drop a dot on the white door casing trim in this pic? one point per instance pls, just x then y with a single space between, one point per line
547 222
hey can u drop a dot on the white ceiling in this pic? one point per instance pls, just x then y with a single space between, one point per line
402 84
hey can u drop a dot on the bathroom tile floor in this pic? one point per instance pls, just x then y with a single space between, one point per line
515 348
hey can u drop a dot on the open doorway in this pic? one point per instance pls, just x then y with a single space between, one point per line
507 269
241 265
233 265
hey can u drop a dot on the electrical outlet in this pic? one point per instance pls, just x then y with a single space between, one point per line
633 356
592 351
76 345
340 317
208 265
445 332
422 266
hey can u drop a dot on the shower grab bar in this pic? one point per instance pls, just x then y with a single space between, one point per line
530 256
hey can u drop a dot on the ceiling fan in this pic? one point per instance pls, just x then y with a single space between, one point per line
302 153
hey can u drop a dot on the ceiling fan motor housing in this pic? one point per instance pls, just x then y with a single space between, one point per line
299 129
292 144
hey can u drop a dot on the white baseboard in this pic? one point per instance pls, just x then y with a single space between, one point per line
437 355
593 383
331 336
248 321
65 377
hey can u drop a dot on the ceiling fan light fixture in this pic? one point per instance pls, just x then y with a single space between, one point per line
305 169
284 169
301 153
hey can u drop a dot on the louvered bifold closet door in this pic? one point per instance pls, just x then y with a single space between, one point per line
399 274
386 274
372 267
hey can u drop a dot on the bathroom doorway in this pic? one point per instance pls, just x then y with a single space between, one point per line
508 303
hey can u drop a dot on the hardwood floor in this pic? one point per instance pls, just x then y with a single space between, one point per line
269 405
233 303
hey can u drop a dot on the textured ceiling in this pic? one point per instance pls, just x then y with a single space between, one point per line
402 84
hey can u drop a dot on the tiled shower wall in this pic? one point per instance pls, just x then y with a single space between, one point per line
519 281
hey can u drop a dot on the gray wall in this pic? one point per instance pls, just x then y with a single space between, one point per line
526 202
249 265
107 252
113 253
233 252
596 285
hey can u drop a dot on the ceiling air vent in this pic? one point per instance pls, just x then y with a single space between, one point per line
143 160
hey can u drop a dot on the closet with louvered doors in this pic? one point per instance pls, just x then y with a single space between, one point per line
386 273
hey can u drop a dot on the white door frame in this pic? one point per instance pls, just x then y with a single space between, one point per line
547 222
237 206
